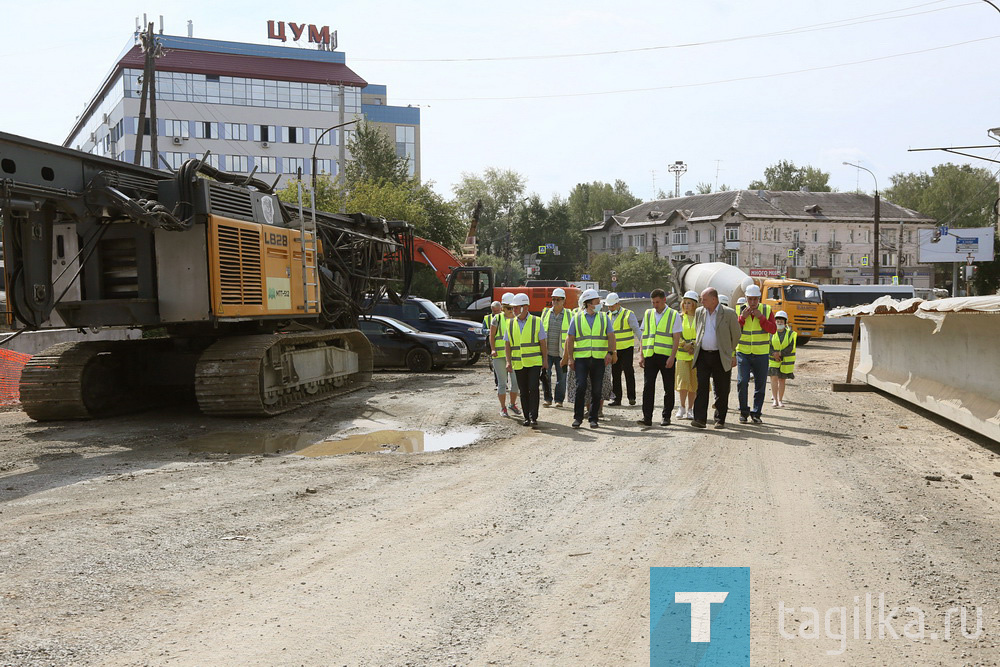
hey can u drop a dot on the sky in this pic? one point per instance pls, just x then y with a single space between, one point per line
572 92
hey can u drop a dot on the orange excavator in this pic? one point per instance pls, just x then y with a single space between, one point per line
471 289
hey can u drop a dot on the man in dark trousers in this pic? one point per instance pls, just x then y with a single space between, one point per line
753 354
627 331
661 334
718 334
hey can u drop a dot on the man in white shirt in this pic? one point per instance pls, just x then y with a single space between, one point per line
718 334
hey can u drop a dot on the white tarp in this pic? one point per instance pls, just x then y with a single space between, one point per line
886 305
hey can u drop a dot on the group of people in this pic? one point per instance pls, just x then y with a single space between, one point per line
689 351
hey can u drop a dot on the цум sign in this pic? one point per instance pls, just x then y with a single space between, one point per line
316 34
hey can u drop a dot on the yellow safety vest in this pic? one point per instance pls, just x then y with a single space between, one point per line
501 324
787 363
754 340
567 316
658 338
525 352
624 337
688 335
590 341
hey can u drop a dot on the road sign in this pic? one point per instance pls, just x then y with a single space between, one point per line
944 230
585 276
895 280
864 260
614 274
550 246
542 249
966 244
614 284
791 254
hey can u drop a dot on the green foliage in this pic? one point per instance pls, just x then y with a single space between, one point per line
507 275
956 195
784 175
538 225
373 157
703 188
501 191
588 201
639 272
426 284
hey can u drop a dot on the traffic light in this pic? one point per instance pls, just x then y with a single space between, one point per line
970 271
936 236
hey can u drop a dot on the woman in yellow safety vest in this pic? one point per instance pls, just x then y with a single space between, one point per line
685 377
524 340
781 366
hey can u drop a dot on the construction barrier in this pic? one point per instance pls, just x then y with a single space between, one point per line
11 365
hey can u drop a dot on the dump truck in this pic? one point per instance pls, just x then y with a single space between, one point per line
802 301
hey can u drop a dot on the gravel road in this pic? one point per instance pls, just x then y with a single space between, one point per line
119 545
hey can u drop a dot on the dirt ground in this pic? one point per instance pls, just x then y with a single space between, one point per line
120 546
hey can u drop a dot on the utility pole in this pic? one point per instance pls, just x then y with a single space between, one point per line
153 49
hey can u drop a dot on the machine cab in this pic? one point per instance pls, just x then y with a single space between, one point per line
470 292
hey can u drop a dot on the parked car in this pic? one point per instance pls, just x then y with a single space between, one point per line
423 315
395 343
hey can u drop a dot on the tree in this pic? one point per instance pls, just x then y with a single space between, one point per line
501 191
957 196
588 201
538 225
703 188
636 272
784 175
507 275
373 157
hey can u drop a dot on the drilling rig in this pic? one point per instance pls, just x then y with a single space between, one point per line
247 303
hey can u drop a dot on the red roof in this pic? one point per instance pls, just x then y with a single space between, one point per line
257 67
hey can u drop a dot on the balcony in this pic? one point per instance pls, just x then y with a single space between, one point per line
679 247
732 245
835 246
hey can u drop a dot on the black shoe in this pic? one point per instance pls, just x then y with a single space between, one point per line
534 423
697 424
664 422
526 422
719 424
593 424
743 420
756 420
577 423
644 422
631 401
614 403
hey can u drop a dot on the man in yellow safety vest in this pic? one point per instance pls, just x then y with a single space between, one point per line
627 332
524 341
590 343
752 354
556 321
661 335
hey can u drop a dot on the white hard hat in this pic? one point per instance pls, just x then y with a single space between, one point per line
612 298
782 314
691 294
520 300
753 290
723 299
506 298
741 300
588 295
559 291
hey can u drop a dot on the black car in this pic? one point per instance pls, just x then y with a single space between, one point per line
423 315
394 343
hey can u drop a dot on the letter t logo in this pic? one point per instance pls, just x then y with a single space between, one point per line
701 611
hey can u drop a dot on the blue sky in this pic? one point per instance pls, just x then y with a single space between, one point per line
563 120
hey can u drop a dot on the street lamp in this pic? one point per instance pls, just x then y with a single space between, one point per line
875 260
316 145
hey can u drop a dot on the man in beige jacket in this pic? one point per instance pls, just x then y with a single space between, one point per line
718 334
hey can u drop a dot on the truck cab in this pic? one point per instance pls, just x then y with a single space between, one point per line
801 300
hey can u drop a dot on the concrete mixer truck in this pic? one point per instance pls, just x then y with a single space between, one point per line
801 300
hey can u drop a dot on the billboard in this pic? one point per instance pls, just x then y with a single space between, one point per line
956 245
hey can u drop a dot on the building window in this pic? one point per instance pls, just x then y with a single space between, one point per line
238 164
697 236
834 259
144 160
174 160
813 260
756 259
265 133
711 235
406 145
799 259
909 237
177 128
616 241
293 135
681 236
777 259
205 130
640 241
711 256
850 260
267 165
604 243
328 139
236 131
815 236
294 164
212 161
733 257
326 167
732 233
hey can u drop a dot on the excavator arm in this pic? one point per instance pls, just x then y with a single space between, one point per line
436 256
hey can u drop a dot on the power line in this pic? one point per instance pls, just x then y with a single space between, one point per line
706 83
829 25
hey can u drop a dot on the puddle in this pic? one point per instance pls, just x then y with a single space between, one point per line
308 444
